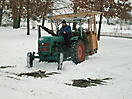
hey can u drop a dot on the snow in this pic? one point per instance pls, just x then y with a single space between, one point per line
115 31
114 59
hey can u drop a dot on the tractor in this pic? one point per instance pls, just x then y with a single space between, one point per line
83 42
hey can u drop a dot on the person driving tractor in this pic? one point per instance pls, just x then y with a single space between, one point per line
65 31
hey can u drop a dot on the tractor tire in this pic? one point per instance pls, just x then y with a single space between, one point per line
77 51
29 60
60 61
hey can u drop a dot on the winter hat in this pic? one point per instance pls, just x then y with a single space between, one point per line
64 21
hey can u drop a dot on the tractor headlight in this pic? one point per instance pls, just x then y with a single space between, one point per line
41 39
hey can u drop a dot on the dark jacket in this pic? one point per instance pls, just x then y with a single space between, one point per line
67 29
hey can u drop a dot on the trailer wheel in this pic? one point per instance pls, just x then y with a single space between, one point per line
60 61
29 60
78 51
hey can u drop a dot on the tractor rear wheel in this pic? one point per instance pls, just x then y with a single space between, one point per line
60 61
78 51
29 60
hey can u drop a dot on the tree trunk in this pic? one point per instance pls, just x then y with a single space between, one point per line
43 21
1 14
99 30
28 25
15 23
108 20
19 21
100 21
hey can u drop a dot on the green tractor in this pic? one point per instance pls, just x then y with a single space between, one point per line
82 43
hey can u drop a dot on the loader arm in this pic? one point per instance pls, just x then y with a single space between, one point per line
49 31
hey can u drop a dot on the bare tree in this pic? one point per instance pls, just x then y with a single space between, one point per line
123 7
61 7
28 8
47 5
38 8
110 8
15 7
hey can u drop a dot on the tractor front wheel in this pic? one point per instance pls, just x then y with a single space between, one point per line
29 60
78 51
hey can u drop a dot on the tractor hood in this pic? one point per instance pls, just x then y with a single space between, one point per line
50 39
45 44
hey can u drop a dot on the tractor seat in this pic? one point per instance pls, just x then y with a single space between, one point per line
75 33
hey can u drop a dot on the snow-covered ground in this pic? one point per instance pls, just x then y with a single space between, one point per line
115 30
114 59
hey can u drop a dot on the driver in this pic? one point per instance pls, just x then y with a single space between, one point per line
65 31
